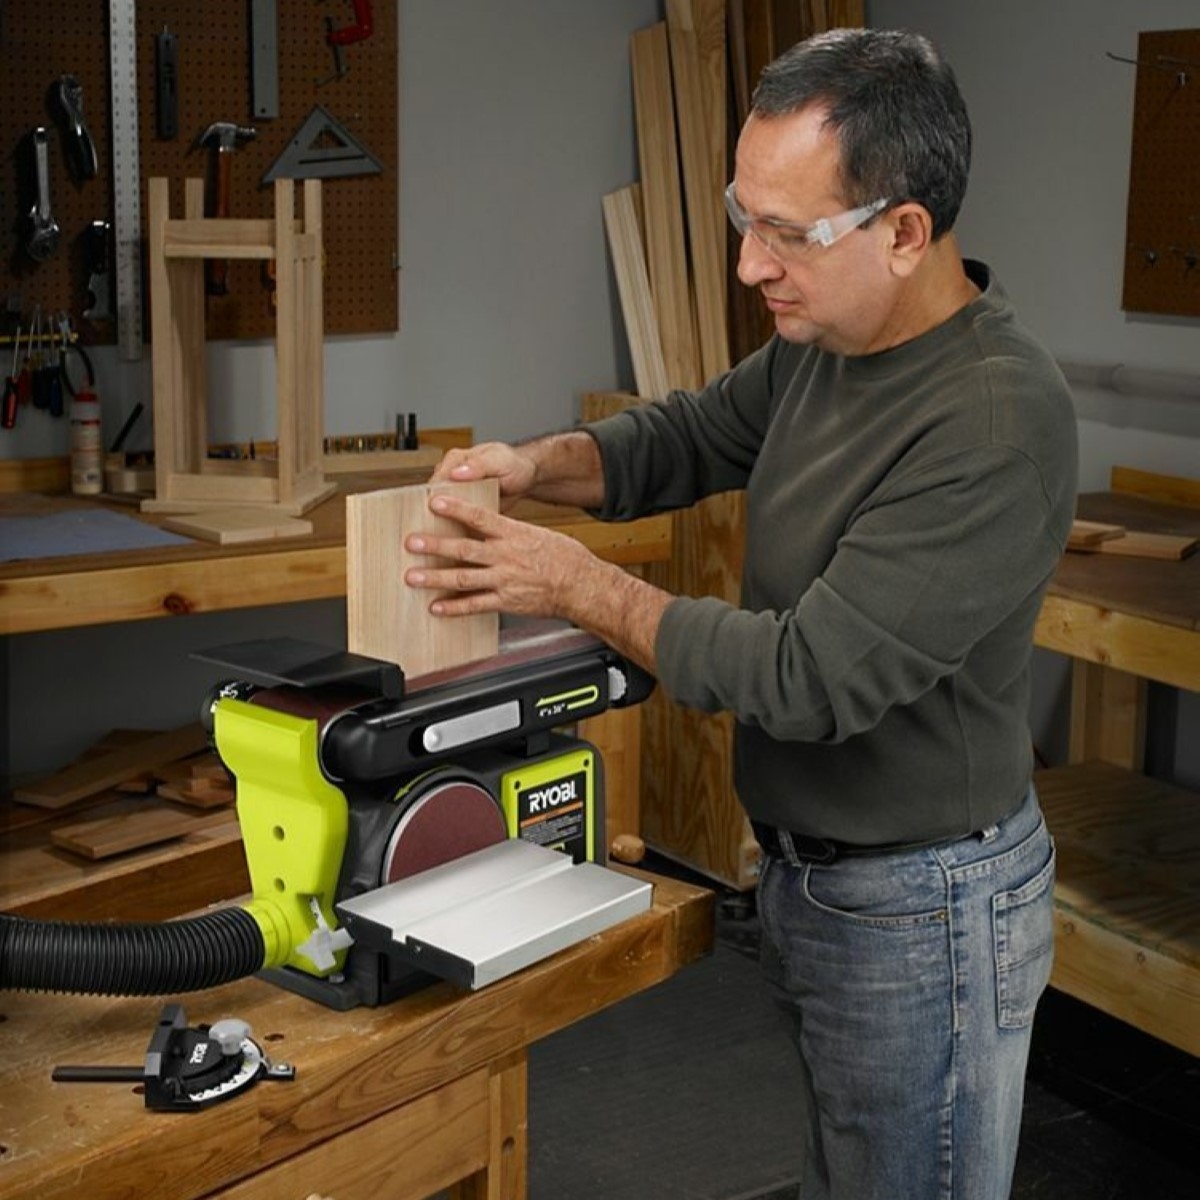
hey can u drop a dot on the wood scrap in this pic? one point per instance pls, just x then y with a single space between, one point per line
112 767
117 832
1085 535
228 526
1137 544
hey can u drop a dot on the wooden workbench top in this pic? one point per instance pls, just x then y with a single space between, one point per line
1159 590
98 1140
74 590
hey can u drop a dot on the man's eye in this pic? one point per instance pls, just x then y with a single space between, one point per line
791 239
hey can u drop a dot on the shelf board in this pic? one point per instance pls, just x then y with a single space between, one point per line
1127 897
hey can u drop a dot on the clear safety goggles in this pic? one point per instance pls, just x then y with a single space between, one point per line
789 241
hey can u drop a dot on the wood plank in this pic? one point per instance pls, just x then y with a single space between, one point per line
227 526
697 39
1141 646
143 823
666 248
1086 534
1135 543
623 228
103 771
1108 715
387 619
1150 485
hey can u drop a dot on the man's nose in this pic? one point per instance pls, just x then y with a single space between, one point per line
756 264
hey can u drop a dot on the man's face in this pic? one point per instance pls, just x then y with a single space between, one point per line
839 297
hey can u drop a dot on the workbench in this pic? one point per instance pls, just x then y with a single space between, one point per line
1127 897
74 590
390 1103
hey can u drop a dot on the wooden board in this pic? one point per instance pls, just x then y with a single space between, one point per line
134 825
1150 485
662 203
227 526
1086 534
386 618
1135 543
623 226
103 771
697 39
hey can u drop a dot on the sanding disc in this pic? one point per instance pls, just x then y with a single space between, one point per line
446 820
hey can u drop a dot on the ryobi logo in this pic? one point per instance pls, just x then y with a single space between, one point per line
542 800
199 1053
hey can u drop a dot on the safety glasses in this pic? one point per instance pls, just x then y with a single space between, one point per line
787 240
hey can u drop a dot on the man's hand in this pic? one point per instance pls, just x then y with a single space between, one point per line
516 472
514 567
561 468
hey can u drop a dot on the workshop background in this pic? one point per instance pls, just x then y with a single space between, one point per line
514 120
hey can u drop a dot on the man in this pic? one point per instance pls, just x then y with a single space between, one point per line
908 456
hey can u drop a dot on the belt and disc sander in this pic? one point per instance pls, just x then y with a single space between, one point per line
442 819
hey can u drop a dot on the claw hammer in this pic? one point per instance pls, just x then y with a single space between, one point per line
223 138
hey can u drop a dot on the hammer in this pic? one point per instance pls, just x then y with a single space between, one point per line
224 137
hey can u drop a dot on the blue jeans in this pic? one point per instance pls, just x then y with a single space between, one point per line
909 980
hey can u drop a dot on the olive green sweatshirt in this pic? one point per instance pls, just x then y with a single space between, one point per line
905 512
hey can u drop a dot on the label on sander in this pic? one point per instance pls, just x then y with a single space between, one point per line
550 803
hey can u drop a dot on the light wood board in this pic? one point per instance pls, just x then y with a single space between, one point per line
387 619
228 526
666 248
623 226
129 828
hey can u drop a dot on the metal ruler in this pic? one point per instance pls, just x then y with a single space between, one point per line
127 186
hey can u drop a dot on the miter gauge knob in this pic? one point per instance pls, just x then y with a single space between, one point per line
189 1068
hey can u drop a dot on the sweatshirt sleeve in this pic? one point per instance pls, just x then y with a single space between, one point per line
668 454
916 581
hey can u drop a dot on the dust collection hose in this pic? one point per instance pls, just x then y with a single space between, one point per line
134 959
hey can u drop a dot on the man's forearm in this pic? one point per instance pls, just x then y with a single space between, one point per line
619 608
569 469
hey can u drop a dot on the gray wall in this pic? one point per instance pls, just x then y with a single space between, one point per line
1053 118
514 120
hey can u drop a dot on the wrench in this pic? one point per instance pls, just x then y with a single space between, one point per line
69 93
42 239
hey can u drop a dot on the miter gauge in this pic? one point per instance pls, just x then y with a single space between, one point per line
187 1069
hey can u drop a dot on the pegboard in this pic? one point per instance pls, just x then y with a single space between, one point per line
40 42
1162 252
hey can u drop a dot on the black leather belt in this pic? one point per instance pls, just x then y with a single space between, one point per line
827 850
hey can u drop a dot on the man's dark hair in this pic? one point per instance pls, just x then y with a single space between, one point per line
893 103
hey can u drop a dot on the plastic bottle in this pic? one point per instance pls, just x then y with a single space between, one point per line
87 446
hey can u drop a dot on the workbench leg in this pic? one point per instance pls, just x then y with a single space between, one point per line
504 1178
1108 716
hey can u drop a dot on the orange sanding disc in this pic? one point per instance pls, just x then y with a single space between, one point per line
445 820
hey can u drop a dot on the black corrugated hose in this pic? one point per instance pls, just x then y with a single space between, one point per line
134 959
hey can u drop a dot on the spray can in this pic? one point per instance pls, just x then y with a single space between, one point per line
87 447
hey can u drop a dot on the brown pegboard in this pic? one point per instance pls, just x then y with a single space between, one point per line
1162 251
40 42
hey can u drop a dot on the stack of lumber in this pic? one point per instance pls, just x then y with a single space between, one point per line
134 789
687 319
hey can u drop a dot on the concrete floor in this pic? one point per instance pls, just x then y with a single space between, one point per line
682 1093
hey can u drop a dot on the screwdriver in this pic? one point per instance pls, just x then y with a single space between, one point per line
24 382
8 418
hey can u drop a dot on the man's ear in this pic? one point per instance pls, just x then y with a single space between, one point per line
912 235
